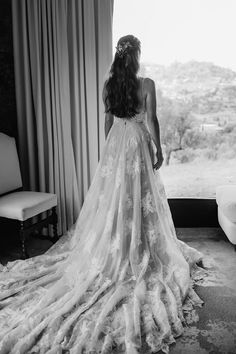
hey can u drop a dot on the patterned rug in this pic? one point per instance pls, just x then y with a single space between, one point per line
212 328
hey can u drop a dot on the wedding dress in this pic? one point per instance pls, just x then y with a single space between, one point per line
118 280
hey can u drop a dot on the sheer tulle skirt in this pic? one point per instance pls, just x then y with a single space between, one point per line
117 281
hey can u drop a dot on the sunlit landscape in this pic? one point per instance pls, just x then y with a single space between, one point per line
196 108
196 95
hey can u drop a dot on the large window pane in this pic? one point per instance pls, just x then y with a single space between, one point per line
187 49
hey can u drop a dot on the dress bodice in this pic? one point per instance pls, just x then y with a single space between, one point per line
138 118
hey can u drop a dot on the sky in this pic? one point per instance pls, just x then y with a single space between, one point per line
179 30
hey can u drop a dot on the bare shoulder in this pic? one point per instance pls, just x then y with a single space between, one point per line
149 85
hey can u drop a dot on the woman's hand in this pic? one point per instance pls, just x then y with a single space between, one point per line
160 160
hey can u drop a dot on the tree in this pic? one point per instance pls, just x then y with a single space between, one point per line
175 121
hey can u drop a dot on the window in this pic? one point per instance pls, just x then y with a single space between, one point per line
187 49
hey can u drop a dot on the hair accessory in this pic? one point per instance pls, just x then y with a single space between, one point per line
121 49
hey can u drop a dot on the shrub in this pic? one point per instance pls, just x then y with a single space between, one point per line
186 155
229 128
210 154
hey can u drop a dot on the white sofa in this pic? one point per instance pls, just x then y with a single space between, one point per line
226 202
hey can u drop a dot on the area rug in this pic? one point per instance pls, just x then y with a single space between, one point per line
212 328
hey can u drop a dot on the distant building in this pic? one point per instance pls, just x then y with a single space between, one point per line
210 127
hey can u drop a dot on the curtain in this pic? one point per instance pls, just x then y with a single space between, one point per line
62 53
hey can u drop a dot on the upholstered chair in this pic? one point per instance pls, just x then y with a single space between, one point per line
226 205
23 206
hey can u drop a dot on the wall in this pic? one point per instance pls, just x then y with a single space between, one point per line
7 85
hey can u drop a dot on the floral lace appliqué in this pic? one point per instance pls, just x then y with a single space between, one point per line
106 170
128 202
134 166
131 143
152 236
115 244
147 204
91 237
109 222
112 143
128 224
118 177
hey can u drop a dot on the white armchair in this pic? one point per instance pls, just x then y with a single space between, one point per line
22 205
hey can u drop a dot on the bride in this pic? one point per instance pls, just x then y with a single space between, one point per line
118 280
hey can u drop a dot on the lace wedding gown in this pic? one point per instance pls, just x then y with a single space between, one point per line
118 280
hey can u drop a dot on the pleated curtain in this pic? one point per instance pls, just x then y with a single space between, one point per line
62 54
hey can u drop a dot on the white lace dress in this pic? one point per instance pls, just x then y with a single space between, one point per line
118 280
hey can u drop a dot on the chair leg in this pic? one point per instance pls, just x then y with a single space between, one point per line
54 218
24 253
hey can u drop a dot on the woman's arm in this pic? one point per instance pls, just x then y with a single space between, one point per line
152 120
109 118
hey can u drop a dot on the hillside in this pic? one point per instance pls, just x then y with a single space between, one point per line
210 89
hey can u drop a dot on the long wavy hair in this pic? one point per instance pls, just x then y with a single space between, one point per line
121 88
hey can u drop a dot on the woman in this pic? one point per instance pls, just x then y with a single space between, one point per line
116 283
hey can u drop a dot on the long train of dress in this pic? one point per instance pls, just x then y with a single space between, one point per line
118 280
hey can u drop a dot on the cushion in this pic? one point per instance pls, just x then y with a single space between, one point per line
227 226
24 205
226 200
10 176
